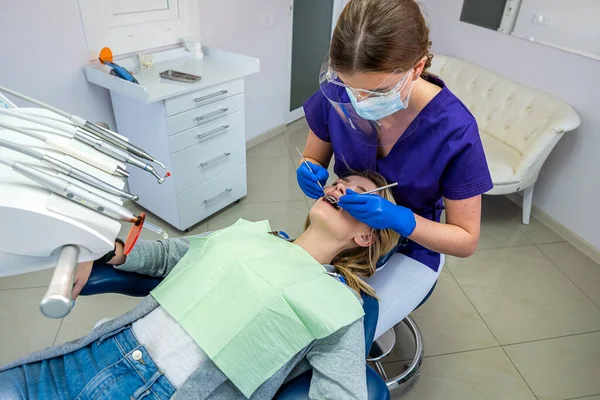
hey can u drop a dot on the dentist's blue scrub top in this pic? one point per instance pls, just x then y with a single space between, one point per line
439 155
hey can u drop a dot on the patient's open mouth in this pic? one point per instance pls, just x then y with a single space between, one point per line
331 200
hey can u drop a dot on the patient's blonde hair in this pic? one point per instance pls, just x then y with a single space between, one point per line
361 262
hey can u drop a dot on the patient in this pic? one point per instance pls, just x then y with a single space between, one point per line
147 353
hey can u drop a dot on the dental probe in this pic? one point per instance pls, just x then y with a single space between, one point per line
63 145
379 189
333 200
73 192
98 144
68 170
90 127
310 169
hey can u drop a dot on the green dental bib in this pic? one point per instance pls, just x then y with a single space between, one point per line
252 301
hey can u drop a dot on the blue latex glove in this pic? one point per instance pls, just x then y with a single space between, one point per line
378 212
308 180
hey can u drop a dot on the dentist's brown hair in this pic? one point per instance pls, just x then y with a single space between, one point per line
380 36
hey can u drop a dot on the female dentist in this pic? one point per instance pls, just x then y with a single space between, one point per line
377 109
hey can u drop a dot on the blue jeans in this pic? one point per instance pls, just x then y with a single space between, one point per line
114 367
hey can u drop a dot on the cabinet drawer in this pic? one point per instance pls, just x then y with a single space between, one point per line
204 161
203 115
207 132
203 97
208 198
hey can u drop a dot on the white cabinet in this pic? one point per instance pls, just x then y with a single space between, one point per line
196 130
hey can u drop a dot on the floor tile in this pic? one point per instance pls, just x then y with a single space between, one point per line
539 233
285 216
583 271
481 374
271 148
449 322
23 328
89 310
522 296
497 228
272 180
28 280
566 367
499 233
535 232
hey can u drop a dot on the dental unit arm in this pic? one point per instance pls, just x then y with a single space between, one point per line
55 210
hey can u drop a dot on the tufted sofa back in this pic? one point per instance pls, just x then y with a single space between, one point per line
528 121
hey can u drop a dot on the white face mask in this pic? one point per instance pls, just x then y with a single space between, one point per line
376 108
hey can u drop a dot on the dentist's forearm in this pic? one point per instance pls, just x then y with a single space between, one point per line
444 238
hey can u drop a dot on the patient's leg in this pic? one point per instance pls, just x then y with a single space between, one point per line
114 367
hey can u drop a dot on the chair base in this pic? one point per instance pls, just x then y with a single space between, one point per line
401 383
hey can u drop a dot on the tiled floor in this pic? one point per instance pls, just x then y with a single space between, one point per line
518 320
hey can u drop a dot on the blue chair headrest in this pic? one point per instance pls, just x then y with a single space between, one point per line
386 257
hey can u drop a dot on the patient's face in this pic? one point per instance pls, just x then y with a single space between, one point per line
338 221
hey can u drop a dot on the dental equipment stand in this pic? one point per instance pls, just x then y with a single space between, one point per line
41 229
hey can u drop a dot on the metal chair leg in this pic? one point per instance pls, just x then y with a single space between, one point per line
381 370
401 383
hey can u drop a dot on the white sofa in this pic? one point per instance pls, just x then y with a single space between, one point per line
519 125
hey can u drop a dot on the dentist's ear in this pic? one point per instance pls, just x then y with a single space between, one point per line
364 240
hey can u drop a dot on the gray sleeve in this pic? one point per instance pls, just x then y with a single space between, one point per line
339 365
155 257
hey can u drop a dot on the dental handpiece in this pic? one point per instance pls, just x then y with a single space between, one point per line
96 130
73 192
117 153
63 145
109 136
68 170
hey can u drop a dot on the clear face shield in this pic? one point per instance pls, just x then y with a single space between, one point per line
376 116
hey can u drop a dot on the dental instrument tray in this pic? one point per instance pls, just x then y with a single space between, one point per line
179 76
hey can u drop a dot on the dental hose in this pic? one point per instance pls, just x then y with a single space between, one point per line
98 144
63 145
90 127
68 170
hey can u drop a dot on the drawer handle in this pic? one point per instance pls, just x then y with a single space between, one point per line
214 160
212 114
220 131
218 196
210 96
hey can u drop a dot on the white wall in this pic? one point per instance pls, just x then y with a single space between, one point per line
236 25
569 186
46 52
42 53
574 23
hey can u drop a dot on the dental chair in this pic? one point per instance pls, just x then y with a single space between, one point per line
383 346
106 279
